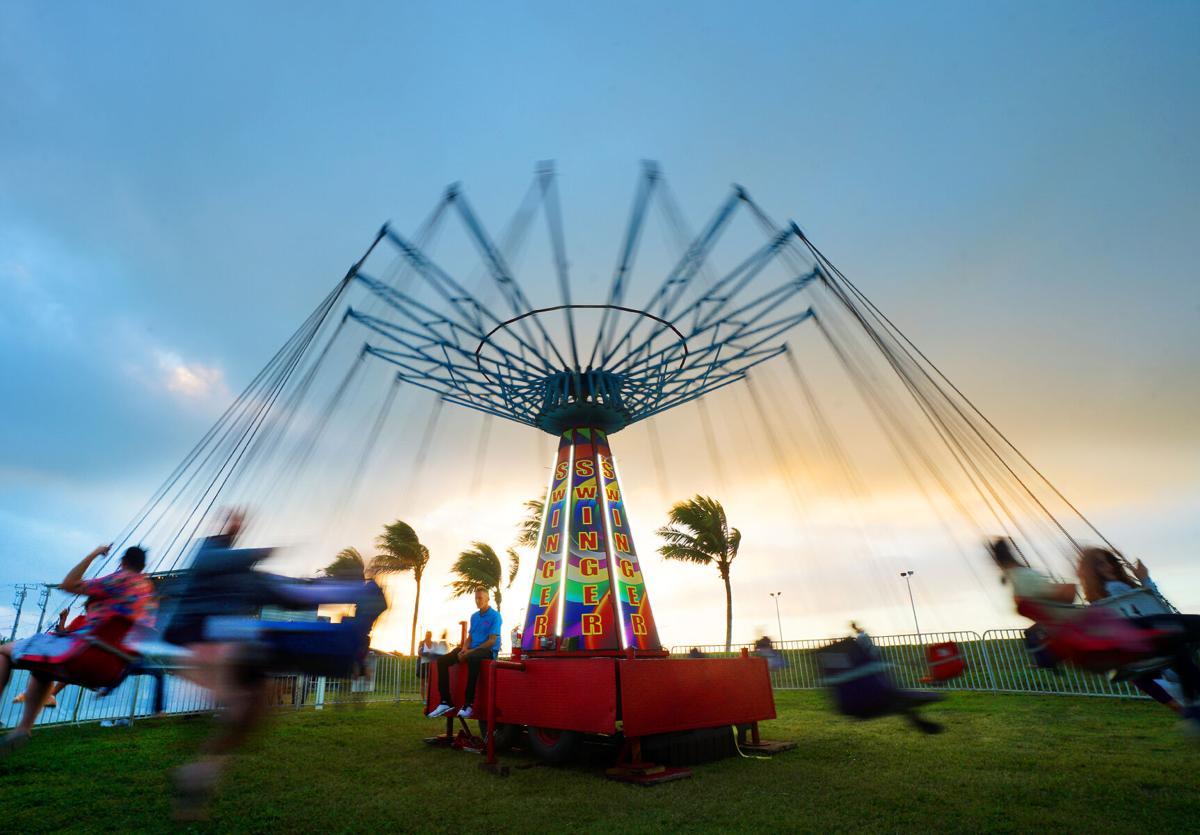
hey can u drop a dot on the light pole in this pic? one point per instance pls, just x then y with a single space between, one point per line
907 575
776 595
19 602
42 601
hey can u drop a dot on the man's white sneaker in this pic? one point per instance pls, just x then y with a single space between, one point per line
440 710
467 712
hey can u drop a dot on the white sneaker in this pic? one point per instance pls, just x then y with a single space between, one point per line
440 710
467 712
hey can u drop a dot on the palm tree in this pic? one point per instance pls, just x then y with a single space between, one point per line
348 563
700 533
531 526
401 550
480 567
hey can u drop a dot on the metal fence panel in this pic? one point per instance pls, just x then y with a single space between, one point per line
995 662
394 678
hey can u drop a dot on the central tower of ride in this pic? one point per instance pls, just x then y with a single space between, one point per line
700 329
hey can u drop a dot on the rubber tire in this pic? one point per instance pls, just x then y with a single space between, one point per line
692 747
554 746
506 735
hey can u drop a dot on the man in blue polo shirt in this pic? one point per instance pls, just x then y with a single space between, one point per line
483 642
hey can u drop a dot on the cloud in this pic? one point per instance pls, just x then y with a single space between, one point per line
62 304
193 381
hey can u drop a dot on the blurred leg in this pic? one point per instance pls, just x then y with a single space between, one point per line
5 665
1155 691
35 695
160 690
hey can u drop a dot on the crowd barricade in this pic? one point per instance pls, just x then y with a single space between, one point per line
390 678
996 662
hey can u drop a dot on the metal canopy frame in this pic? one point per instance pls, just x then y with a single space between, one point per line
685 342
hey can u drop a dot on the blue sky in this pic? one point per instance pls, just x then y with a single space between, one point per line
179 183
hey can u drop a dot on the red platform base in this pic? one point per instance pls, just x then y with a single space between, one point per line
633 697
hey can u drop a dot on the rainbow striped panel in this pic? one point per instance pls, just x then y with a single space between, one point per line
589 620
637 620
541 620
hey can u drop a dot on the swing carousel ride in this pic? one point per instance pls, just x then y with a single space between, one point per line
591 660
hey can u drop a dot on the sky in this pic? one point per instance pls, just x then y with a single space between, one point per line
1017 184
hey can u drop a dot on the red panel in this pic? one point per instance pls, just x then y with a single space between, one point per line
570 694
676 694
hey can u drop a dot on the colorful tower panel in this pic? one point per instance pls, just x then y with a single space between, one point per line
637 620
589 619
588 591
542 621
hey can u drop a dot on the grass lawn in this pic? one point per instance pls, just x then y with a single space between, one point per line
1007 763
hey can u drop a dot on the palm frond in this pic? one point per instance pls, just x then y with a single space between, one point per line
399 550
530 527
458 588
514 565
348 563
674 536
478 566
699 533
705 518
686 554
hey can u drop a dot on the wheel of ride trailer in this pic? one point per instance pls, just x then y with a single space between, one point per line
506 735
553 745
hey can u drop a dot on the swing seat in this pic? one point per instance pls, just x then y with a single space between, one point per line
1134 604
318 649
95 659
315 648
945 662
1094 639
305 647
860 685
1037 644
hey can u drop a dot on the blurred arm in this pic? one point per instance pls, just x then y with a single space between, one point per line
73 582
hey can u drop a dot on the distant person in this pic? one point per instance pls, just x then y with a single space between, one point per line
427 652
861 636
127 592
482 643
424 655
765 648
695 652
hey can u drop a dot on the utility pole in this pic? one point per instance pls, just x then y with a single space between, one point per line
776 595
42 601
19 602
907 575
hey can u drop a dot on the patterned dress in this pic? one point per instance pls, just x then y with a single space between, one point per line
128 594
